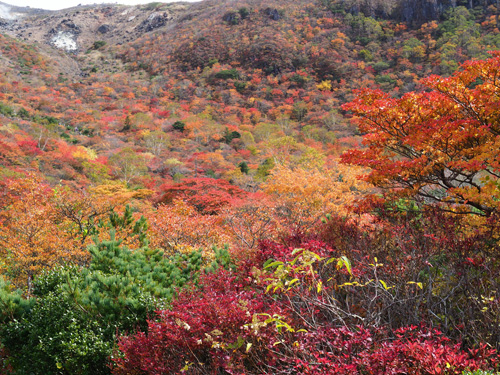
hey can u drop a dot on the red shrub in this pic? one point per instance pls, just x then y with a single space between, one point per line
210 330
413 351
207 195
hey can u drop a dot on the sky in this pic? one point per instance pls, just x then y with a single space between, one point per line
63 4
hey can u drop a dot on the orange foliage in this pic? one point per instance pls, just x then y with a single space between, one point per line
179 227
32 235
304 195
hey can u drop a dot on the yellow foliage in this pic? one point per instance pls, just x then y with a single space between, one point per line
84 153
324 86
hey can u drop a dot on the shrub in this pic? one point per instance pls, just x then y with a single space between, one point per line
240 86
231 325
230 135
6 110
179 126
365 55
244 12
71 325
228 74
299 80
243 167
380 66
413 350
207 195
232 18
98 44
214 331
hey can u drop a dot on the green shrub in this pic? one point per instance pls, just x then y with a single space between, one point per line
228 74
243 167
299 80
6 110
98 44
365 55
380 66
240 86
244 12
230 135
70 325
385 79
264 169
23 113
299 111
179 126
232 18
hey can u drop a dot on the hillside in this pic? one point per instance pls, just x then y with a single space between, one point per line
109 76
250 187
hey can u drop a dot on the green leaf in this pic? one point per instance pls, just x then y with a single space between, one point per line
295 251
274 264
315 255
331 260
292 263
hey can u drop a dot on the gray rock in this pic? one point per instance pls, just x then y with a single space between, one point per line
103 29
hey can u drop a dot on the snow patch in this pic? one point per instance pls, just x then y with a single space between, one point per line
64 40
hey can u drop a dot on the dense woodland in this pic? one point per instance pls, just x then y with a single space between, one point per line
264 187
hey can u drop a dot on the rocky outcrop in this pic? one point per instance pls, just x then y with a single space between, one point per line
103 29
413 12
77 29
154 21
420 11
273 13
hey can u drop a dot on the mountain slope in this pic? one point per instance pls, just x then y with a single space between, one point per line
186 90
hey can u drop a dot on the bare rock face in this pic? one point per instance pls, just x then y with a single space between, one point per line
154 21
421 11
81 35
75 30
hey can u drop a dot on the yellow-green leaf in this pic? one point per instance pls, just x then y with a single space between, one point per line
384 285
420 285
346 263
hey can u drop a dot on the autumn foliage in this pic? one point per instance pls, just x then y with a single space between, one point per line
260 187
207 195
441 145
34 234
